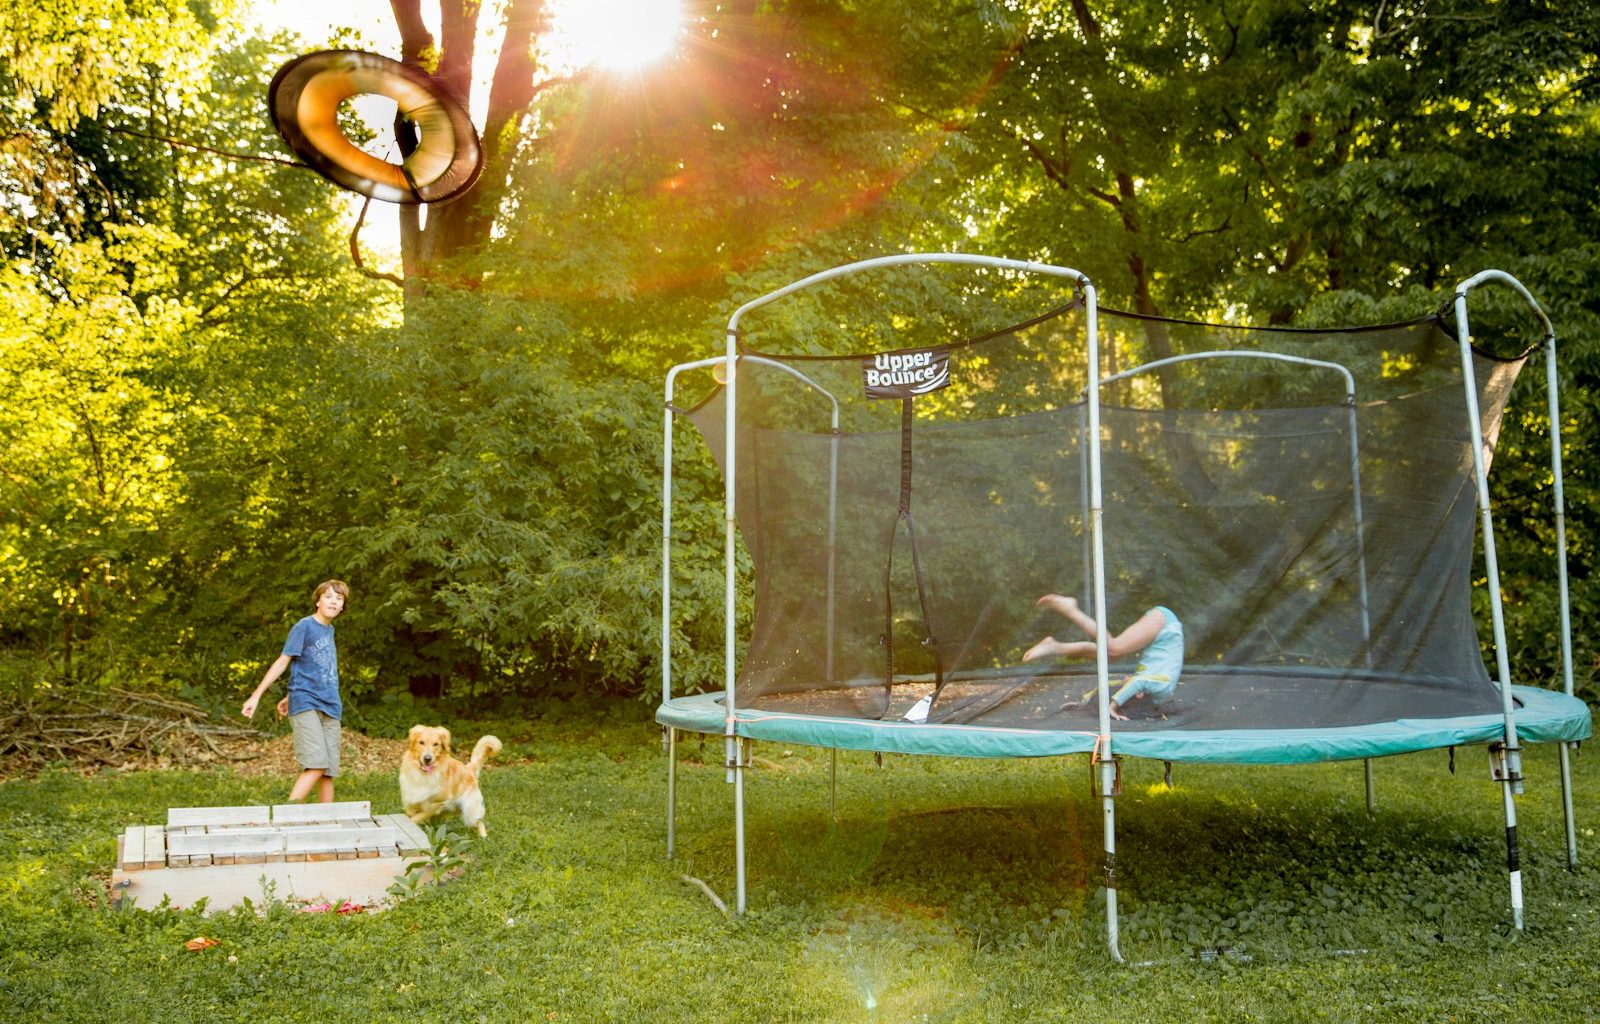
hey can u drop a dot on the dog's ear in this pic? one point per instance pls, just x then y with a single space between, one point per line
416 730
444 738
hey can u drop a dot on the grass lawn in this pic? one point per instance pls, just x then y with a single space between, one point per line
948 891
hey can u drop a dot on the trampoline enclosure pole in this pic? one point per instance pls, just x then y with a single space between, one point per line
1101 657
1553 390
666 606
1083 491
666 587
1511 765
734 763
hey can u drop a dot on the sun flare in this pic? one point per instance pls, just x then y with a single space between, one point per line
617 34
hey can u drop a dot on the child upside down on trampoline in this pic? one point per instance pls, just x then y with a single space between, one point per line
1157 633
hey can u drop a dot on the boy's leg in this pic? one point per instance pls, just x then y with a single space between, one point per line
308 778
332 737
1068 607
316 742
1050 647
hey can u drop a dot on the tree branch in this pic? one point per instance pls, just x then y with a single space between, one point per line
1055 170
1189 236
207 320
1086 22
1261 161
184 143
355 251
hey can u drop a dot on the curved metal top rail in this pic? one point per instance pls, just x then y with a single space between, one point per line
1349 380
716 361
1485 276
847 269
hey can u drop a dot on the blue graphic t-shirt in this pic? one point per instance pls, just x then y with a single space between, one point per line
314 672
1164 657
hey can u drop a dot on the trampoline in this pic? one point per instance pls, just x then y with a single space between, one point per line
1307 502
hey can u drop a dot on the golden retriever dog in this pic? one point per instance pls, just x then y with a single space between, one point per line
432 782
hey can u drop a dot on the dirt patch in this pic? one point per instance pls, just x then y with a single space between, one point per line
358 753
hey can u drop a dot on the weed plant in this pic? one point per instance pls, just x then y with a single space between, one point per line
928 890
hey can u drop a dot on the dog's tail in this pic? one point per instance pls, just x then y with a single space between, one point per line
482 749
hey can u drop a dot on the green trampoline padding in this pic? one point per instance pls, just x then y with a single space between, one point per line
1544 716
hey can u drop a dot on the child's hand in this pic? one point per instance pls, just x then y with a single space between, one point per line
283 708
249 709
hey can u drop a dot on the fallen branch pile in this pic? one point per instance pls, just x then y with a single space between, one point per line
118 730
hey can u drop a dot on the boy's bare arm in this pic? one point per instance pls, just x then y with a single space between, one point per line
273 672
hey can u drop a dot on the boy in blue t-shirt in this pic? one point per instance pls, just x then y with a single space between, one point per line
313 704
1157 634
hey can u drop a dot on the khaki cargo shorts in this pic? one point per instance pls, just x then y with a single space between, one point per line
316 741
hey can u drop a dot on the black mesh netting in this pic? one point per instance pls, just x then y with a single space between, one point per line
1230 497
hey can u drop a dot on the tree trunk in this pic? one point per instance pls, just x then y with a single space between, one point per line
430 239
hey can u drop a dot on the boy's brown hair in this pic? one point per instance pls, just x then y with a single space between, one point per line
340 586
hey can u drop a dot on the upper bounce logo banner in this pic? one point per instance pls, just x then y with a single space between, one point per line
906 374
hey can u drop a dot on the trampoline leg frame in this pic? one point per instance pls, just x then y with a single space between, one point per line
1513 854
671 744
1109 784
1372 798
1566 805
833 785
1110 789
1505 762
740 758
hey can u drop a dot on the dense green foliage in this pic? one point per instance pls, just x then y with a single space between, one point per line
948 891
207 409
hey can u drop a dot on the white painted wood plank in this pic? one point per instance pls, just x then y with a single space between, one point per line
336 840
284 814
183 817
238 842
412 838
130 848
155 846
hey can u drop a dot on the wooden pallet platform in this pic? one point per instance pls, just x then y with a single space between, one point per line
225 855
283 833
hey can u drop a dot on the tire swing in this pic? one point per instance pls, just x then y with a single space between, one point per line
304 100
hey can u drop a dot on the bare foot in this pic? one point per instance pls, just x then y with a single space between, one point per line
1058 604
1044 649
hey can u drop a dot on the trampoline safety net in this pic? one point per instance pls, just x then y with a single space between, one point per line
1316 542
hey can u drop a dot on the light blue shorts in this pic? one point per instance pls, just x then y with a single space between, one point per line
1157 687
